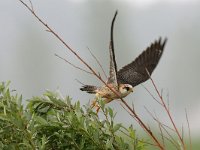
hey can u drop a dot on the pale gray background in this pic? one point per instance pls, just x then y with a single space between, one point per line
27 50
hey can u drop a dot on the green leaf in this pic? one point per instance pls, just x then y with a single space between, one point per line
109 143
131 132
51 122
117 127
110 112
40 120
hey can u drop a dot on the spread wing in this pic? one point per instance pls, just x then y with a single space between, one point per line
139 70
113 65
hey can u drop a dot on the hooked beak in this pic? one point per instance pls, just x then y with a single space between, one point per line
131 90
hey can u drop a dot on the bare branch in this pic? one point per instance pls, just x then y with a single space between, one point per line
168 107
31 5
164 127
151 95
171 138
59 38
73 64
182 132
98 62
161 132
188 129
172 141
157 120
169 114
167 110
133 108
138 140
128 112
79 82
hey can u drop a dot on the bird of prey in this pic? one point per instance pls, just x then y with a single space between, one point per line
131 75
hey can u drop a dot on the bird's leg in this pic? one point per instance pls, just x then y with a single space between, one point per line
108 100
95 104
97 109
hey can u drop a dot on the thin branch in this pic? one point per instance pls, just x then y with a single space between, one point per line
170 139
164 127
138 140
98 62
167 110
73 64
59 38
133 108
168 113
168 100
173 142
161 132
158 120
79 82
128 112
182 132
188 129
135 116
160 128
151 95
31 5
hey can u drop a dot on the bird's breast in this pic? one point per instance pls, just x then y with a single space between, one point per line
106 92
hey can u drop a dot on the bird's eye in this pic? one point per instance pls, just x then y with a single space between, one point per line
127 88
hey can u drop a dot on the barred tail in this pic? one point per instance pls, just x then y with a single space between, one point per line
89 89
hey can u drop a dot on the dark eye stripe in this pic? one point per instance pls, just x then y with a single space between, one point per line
127 88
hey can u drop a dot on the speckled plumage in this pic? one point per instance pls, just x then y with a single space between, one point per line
130 75
139 70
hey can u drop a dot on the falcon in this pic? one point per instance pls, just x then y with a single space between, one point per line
131 75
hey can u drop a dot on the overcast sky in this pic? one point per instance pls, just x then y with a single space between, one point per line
27 50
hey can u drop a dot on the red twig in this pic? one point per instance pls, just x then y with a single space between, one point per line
188 129
97 62
72 64
151 94
168 113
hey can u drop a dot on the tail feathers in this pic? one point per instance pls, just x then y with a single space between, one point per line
89 89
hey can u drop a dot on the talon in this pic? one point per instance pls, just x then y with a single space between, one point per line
93 104
98 108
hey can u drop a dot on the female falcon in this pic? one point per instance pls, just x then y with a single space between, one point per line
124 80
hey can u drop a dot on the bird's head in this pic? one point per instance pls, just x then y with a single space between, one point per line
125 89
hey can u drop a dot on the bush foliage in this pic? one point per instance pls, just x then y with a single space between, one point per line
54 123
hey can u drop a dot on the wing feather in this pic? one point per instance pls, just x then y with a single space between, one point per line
113 65
139 70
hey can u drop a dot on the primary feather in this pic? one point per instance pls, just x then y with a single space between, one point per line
139 70
89 89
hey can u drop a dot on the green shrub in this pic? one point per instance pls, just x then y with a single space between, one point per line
54 123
